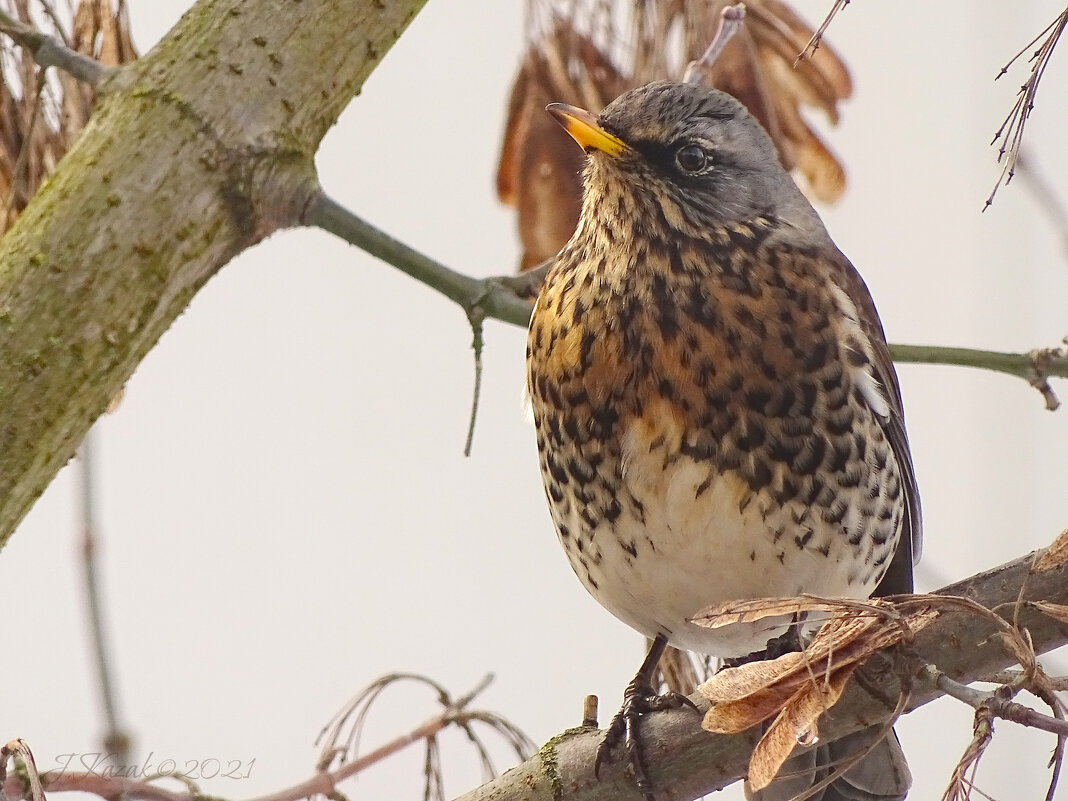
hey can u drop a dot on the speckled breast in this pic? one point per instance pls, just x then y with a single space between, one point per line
710 435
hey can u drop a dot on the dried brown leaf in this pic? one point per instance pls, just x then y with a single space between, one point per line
738 715
728 613
516 124
795 724
744 695
960 783
823 172
540 167
109 51
781 35
732 684
1055 555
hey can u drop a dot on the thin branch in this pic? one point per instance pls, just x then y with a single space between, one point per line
50 52
322 783
1010 134
476 316
1057 683
998 705
116 739
1035 367
495 298
730 22
505 298
814 43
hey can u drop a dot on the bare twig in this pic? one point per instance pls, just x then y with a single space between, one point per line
1009 136
1056 761
814 43
342 736
116 739
1057 683
999 704
476 317
730 22
50 52
454 712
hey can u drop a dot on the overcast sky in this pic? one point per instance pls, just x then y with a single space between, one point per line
286 511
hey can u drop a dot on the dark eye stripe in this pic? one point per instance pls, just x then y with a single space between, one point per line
656 153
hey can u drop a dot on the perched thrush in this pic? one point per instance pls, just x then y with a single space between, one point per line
717 414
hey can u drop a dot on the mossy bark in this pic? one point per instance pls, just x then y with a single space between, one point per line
194 153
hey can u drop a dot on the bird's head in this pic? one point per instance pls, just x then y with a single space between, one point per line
692 157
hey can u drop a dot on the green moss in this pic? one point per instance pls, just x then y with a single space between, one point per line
547 757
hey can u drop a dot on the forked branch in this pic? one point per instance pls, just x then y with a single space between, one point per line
48 51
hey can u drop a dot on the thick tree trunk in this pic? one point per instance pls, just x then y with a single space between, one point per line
194 153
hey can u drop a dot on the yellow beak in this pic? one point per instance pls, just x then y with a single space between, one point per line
584 129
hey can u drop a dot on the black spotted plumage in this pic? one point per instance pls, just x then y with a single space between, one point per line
718 417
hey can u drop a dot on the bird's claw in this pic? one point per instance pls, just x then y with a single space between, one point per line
637 700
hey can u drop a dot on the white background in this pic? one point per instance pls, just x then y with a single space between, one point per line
285 508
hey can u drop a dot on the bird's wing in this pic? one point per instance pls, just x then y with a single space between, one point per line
898 577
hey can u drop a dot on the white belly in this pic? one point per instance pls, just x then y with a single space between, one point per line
706 541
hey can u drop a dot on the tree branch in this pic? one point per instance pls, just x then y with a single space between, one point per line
687 761
1035 367
998 705
505 298
494 296
198 150
50 52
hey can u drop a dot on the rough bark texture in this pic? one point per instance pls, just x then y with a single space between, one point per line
195 152
687 762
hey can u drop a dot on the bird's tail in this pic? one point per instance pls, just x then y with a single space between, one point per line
882 774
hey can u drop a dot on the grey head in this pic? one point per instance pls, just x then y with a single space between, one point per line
696 154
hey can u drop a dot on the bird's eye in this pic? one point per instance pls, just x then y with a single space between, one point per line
691 158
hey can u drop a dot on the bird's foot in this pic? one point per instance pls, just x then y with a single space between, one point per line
786 643
638 699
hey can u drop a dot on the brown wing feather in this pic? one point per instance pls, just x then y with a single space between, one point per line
898 578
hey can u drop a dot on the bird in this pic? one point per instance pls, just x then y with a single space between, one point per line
716 411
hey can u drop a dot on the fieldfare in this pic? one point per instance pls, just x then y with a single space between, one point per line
717 413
